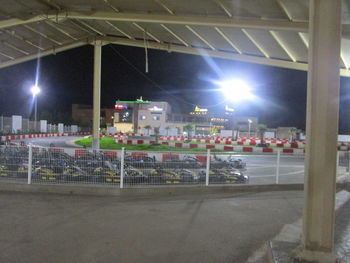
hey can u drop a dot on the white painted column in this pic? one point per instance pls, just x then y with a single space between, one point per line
97 96
322 130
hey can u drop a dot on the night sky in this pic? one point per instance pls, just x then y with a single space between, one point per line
182 80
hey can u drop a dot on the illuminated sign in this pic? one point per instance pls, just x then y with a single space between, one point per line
120 107
155 108
227 108
197 109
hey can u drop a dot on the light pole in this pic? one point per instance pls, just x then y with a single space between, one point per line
35 91
249 125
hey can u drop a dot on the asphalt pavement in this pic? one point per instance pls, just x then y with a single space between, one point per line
54 228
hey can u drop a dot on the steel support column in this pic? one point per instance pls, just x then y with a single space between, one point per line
97 96
322 130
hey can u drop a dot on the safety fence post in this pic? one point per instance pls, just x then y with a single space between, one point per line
208 168
349 162
278 165
338 161
122 167
30 161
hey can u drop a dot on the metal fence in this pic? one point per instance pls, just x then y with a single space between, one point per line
42 165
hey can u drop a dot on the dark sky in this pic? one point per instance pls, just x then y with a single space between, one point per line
183 80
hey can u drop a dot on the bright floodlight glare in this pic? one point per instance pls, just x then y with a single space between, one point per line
236 90
35 90
250 121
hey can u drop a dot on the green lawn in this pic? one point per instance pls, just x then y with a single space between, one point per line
110 144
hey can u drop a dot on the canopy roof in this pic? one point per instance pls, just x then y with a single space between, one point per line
271 32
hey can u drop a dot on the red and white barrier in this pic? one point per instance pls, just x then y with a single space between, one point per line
39 135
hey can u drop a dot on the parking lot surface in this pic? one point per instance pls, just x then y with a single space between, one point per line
198 228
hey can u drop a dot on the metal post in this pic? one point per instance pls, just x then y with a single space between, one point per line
30 161
97 96
35 113
208 168
322 130
349 162
278 165
338 162
122 168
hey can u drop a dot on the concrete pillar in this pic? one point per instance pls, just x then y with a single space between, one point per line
322 130
97 96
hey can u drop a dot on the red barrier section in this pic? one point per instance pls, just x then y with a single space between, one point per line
240 143
228 148
167 156
267 150
247 149
207 141
111 154
294 145
202 158
139 154
193 145
56 150
280 145
217 141
120 141
288 150
166 143
210 146
228 142
139 141
178 144
198 140
79 153
252 143
129 141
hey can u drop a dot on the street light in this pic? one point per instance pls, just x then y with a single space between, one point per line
235 90
249 124
35 91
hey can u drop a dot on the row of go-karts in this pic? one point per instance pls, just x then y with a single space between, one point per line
97 167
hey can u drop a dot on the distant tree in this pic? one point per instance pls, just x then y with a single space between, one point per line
148 128
261 129
167 128
156 134
292 133
188 128
213 130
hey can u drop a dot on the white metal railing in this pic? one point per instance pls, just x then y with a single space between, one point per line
40 165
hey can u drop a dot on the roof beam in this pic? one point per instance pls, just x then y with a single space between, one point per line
92 28
60 30
223 7
6 56
17 22
165 7
175 35
228 40
256 43
188 20
118 29
283 45
214 53
146 32
200 37
15 48
13 34
42 34
111 6
44 53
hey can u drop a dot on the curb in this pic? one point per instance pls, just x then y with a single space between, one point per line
102 190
